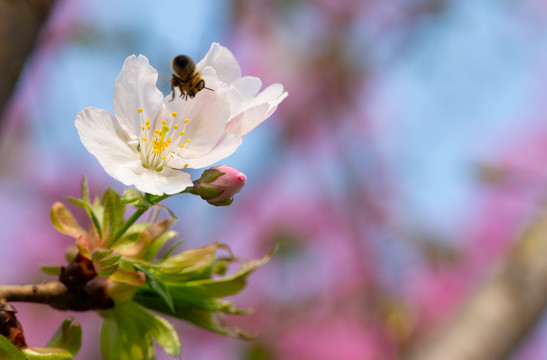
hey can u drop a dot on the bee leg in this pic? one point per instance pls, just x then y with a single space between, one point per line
172 93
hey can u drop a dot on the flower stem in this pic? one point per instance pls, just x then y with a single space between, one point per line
152 200
126 225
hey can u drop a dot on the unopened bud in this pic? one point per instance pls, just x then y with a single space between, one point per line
219 184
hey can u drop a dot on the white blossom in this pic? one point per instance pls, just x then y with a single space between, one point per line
149 138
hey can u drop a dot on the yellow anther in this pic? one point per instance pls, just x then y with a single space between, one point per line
139 110
176 126
181 133
163 157
157 132
181 146
142 128
147 122
163 122
148 126
174 114
186 120
185 166
171 156
187 140
143 138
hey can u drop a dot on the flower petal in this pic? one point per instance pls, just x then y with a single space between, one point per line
101 135
136 88
248 86
224 148
256 111
207 113
223 61
168 181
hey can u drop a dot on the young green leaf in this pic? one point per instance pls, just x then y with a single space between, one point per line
68 337
89 210
135 198
51 270
41 353
85 190
63 221
128 331
9 351
114 210
158 286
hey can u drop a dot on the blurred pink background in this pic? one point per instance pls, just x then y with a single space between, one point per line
372 176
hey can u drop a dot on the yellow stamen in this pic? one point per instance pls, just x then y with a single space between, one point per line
186 121
139 110
174 114
187 140
181 133
185 166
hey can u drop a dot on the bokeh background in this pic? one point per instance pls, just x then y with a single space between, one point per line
409 155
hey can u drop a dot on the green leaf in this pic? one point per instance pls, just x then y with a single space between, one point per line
89 210
201 312
41 353
221 287
207 193
85 190
51 270
188 265
9 351
64 221
210 175
158 286
135 198
106 264
100 254
68 337
128 331
114 210
64 345
198 301
171 249
156 245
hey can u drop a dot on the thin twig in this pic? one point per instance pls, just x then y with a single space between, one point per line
53 293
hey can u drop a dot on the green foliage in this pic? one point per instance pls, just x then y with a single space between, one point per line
135 198
64 345
196 294
128 332
114 210
189 285
68 337
158 286
51 270
9 351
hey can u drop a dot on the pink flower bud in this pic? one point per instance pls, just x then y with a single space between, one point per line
219 184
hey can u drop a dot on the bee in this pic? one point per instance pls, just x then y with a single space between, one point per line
185 77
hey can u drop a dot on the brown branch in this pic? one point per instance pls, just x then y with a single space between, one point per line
20 24
502 311
53 293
